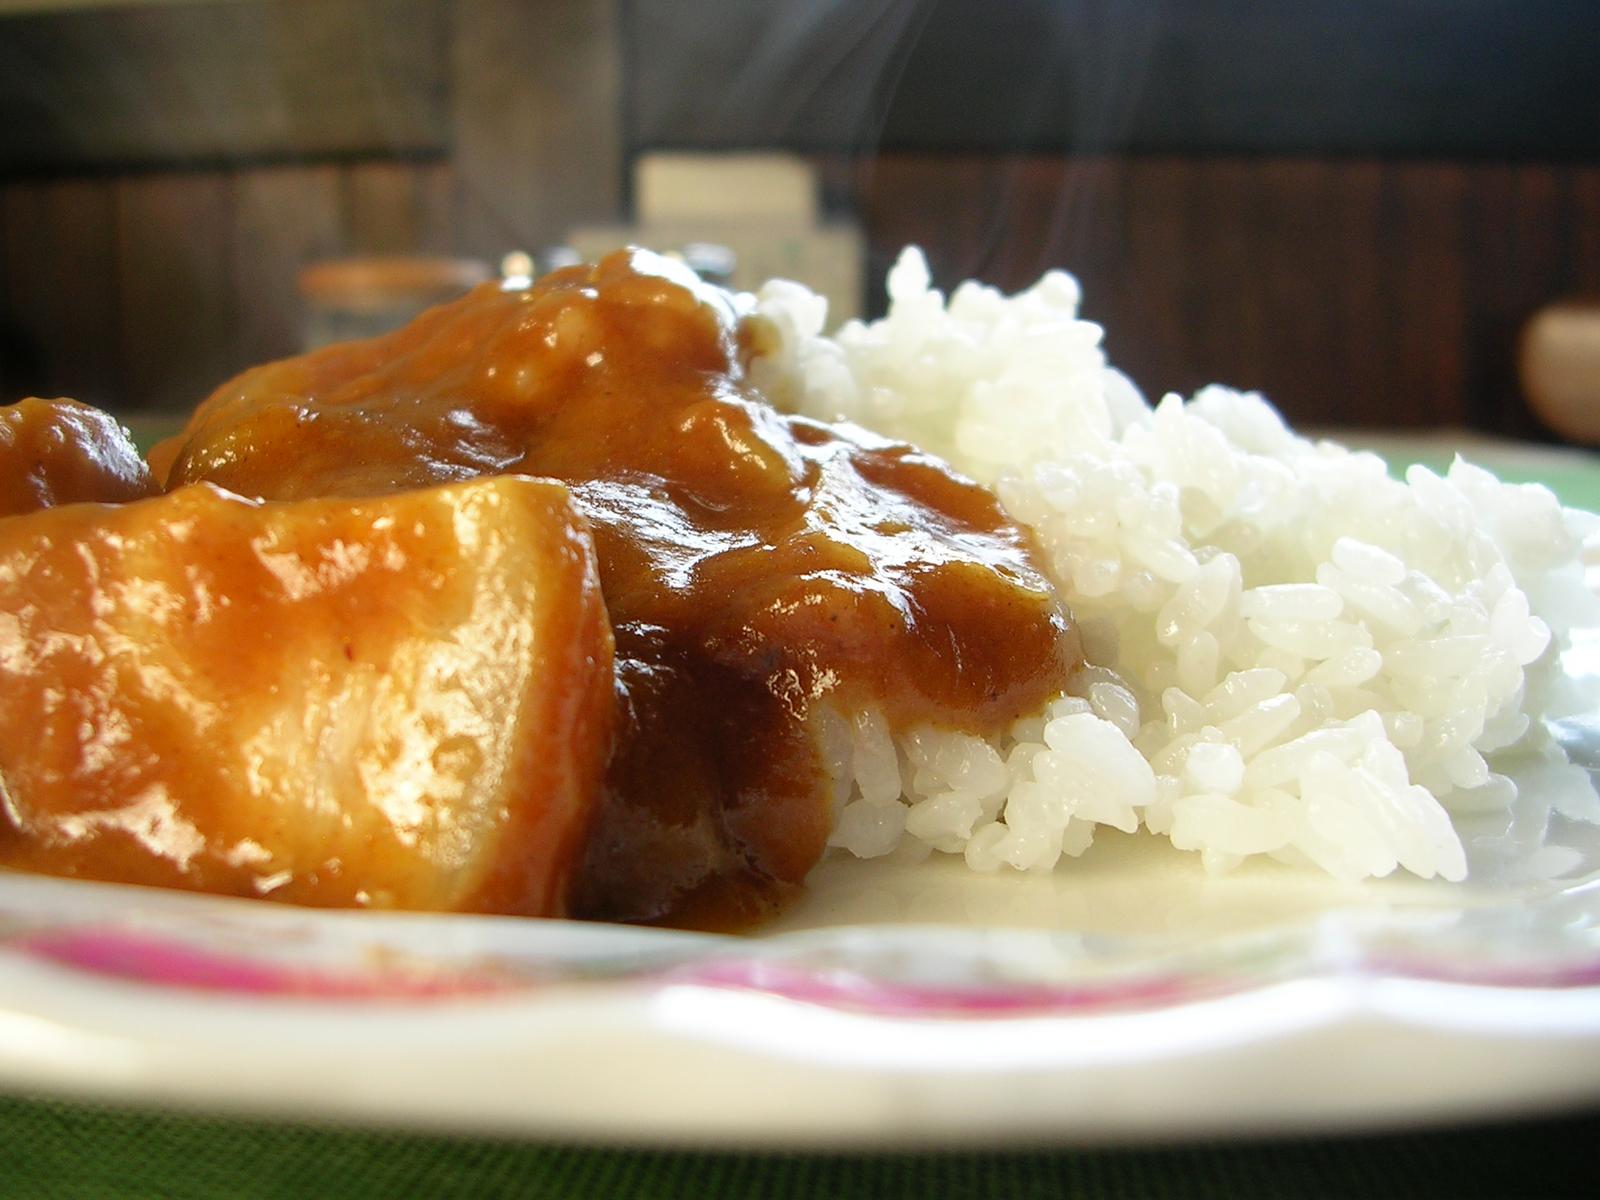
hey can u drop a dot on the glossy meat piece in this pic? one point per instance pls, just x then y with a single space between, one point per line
60 452
758 567
398 703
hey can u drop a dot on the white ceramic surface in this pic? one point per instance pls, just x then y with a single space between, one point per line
1127 995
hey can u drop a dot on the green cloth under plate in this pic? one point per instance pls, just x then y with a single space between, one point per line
69 1151
1575 486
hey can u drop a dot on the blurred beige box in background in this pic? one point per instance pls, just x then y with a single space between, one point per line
761 207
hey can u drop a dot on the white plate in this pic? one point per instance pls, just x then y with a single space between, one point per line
1127 995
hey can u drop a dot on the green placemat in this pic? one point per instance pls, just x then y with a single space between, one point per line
1575 486
54 1149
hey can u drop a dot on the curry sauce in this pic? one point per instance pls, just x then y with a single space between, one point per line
758 568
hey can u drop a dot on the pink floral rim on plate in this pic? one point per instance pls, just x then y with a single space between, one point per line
110 953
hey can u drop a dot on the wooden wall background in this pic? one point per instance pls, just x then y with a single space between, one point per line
1352 292
145 291
141 286
1381 292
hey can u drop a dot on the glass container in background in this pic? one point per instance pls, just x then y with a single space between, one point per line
352 298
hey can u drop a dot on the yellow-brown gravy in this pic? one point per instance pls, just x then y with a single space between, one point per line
756 566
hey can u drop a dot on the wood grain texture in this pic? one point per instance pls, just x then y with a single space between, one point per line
148 291
1294 201
180 309
60 291
1157 216
284 218
398 207
1352 292
1585 217
1426 297
1386 295
1353 283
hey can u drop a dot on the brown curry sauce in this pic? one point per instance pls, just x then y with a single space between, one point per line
755 565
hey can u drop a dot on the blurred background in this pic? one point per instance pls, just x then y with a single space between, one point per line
1365 208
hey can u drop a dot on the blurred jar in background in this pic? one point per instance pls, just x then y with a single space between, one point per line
351 298
1560 367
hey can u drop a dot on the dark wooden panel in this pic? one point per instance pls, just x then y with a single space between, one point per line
179 312
1352 293
1352 276
284 218
1157 216
941 204
1090 194
1457 78
60 288
1428 305
1298 321
223 83
536 97
151 290
398 208
1521 233
1224 260
1586 225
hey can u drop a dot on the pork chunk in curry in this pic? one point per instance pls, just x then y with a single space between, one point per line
757 568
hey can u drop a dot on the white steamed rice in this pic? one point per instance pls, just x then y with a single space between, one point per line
1312 661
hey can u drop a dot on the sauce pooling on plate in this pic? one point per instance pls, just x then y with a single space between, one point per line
759 570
